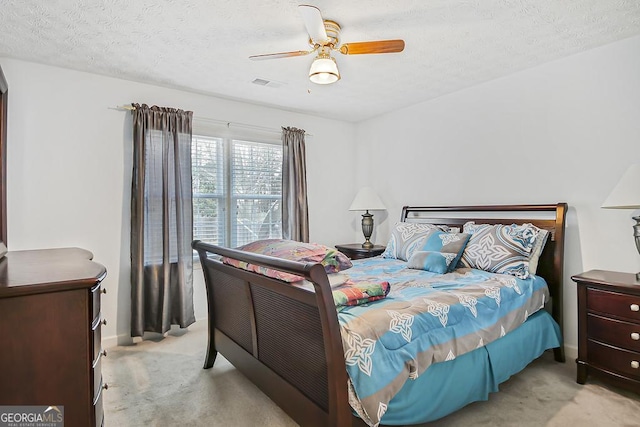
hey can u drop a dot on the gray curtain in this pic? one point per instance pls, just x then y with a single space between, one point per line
295 216
161 220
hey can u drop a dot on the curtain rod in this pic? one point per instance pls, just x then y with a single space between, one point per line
217 121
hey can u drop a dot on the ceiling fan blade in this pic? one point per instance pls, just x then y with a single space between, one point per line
314 23
380 46
280 55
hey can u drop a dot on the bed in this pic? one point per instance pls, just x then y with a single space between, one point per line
288 339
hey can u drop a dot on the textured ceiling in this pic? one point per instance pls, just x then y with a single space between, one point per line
203 46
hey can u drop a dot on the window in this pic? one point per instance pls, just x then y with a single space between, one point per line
237 190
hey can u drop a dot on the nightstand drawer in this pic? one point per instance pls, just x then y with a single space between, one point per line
616 332
619 305
614 359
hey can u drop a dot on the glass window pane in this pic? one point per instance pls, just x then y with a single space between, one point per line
257 219
256 168
251 187
208 220
207 157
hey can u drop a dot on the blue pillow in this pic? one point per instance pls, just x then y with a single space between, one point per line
435 262
407 237
446 242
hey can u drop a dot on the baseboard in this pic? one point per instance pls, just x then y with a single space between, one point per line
110 342
570 352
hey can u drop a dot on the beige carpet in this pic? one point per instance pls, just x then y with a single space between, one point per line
162 383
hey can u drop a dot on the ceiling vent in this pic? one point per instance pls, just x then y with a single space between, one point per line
268 83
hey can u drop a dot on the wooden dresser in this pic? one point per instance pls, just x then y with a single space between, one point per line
609 328
50 340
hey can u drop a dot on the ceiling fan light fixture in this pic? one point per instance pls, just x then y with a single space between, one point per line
324 70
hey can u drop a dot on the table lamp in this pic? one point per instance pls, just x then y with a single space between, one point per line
367 200
626 195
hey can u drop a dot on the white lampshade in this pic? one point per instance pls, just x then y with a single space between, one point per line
367 200
626 194
324 70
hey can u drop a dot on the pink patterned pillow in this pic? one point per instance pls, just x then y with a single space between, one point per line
332 259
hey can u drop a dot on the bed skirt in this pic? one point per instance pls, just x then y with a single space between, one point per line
443 388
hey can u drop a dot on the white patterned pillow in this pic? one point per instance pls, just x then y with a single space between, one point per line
408 237
500 248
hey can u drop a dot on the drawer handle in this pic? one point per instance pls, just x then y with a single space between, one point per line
635 364
635 307
104 353
104 322
635 336
106 386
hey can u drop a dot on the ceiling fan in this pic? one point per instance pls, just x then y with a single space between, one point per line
324 37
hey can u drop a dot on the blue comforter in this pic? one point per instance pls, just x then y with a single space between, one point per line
426 318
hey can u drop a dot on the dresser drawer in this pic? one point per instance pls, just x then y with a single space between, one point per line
619 305
97 338
96 293
97 377
614 359
615 332
98 409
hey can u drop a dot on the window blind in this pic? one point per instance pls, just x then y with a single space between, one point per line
237 188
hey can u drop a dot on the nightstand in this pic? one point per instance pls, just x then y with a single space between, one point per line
609 328
356 251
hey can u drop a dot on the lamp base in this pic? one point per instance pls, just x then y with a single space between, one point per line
367 229
369 245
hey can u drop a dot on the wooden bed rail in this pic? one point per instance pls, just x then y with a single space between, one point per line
283 336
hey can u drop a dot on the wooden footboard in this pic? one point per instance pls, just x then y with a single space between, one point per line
284 337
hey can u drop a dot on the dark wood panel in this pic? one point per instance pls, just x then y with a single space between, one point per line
356 251
97 340
614 304
31 272
96 293
614 359
616 281
45 352
96 373
98 409
614 332
4 107
47 335
606 321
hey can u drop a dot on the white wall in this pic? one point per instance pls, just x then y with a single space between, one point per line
70 158
564 131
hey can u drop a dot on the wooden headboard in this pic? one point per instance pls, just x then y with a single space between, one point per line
548 217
